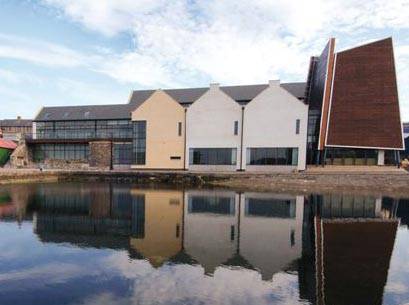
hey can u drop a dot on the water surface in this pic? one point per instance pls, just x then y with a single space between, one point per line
101 243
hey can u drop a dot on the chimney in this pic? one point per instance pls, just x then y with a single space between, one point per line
18 117
214 86
274 82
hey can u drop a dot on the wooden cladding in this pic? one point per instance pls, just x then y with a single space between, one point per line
326 94
364 108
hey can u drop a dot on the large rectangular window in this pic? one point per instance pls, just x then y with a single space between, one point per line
123 153
78 152
212 156
272 156
139 142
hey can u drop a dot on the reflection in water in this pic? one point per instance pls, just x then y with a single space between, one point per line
200 246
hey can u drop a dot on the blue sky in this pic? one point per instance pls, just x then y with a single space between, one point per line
61 52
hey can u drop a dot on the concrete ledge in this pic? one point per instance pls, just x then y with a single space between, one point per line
391 182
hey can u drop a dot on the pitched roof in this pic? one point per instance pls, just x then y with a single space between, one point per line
238 93
15 123
7 144
183 96
90 112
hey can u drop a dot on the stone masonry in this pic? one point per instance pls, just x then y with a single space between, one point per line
100 154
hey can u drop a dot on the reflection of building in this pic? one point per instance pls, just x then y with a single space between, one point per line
270 231
87 215
340 245
354 240
13 202
163 226
211 226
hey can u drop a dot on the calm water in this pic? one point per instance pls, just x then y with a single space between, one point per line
122 244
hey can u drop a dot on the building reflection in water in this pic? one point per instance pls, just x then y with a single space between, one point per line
162 225
339 245
354 239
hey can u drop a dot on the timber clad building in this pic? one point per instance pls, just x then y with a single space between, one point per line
347 113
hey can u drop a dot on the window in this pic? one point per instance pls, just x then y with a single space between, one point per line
139 142
211 204
236 128
297 126
292 238
122 153
272 156
78 152
270 207
212 156
180 129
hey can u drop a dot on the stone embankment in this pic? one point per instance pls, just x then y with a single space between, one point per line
385 181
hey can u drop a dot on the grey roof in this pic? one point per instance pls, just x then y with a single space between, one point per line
296 89
15 123
238 93
183 96
90 112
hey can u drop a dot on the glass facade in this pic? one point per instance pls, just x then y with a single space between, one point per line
314 119
272 156
212 156
139 142
100 129
78 152
123 153
347 156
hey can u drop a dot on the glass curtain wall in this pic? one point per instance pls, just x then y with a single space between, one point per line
87 129
139 142
78 152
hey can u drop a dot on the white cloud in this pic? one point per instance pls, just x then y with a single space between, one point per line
40 52
180 42
191 43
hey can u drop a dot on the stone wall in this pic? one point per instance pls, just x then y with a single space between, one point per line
21 156
64 164
100 154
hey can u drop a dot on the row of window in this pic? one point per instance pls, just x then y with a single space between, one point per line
84 129
118 129
61 152
255 156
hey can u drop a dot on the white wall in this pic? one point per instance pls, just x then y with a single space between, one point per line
210 124
265 241
207 235
270 121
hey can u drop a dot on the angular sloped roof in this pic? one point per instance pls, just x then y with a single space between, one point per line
183 96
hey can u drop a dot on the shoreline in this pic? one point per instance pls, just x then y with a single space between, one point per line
391 181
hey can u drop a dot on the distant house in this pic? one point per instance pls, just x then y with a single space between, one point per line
15 129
